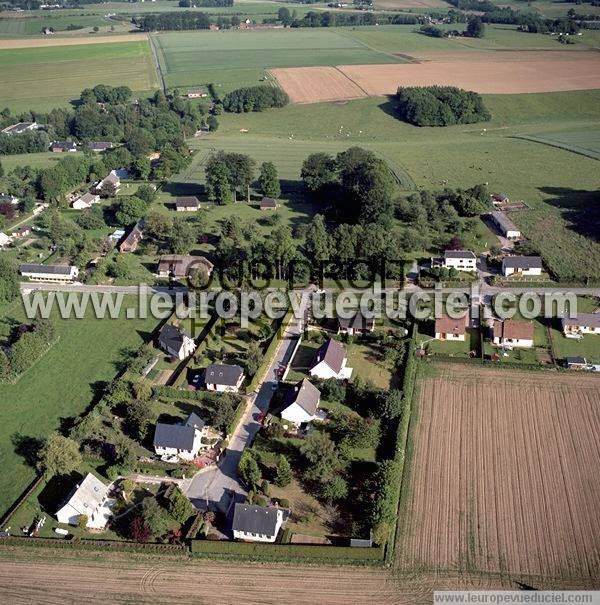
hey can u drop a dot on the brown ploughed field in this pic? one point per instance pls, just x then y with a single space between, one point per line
505 475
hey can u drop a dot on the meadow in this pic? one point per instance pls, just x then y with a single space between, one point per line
18 26
585 142
43 78
60 386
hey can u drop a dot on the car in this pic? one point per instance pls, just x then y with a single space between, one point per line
196 379
274 386
260 418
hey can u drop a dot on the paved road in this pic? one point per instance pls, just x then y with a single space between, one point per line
218 488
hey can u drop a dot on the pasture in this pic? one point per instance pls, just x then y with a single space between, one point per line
18 25
498 457
43 78
59 387
585 142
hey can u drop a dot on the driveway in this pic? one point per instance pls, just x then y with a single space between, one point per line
218 488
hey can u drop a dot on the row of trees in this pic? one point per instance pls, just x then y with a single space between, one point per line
29 142
173 21
254 98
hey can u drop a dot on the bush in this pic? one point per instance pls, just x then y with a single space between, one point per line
284 503
82 521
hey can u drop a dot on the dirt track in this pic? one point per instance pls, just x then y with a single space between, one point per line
52 41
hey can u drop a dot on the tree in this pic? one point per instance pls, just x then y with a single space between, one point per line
179 507
139 417
212 123
322 459
158 225
284 15
26 205
142 167
138 530
155 517
183 236
9 280
248 471
130 210
268 181
318 241
475 28
241 171
283 472
254 357
334 489
218 188
318 170
59 455
108 190
82 521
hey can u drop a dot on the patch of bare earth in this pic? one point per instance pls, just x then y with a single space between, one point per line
505 475
52 41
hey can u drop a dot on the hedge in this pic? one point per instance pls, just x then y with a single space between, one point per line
83 544
239 412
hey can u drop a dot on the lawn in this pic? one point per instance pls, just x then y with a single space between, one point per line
60 386
44 159
61 72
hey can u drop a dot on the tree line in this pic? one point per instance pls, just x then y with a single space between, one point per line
254 98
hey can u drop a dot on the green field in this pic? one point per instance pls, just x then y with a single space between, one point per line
231 59
585 142
43 78
60 386
19 26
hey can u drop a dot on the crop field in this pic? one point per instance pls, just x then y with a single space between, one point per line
61 72
59 387
506 475
231 59
585 142
19 25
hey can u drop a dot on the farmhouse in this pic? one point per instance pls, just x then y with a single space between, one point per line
175 342
224 378
183 441
357 324
513 333
178 266
507 228
461 260
330 362
85 201
20 128
447 328
63 146
21 231
256 523
56 273
268 203
132 241
99 146
198 93
301 403
584 323
522 265
112 180
188 203
89 499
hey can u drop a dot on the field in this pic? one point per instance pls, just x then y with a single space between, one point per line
506 475
585 142
61 72
58 387
74 41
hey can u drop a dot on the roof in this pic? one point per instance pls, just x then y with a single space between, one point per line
19 127
589 320
199 89
357 322
513 329
195 421
171 337
111 178
459 254
503 221
88 495
522 262
250 519
333 354
87 198
134 236
23 229
64 144
99 145
449 325
49 269
187 201
502 197
306 395
268 202
227 375
576 361
180 265
176 436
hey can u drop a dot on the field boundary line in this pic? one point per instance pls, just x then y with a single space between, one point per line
337 68
557 145
372 48
159 71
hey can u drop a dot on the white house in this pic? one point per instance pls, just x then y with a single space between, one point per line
8 199
183 441
301 403
507 228
90 498
112 180
513 333
522 265
256 523
461 260
54 273
224 378
447 328
584 323
357 324
175 342
85 201
4 240
330 362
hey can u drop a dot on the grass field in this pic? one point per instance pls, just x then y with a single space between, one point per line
585 142
61 72
19 26
60 386
36 160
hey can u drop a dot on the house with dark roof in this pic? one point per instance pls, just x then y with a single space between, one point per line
357 324
87 200
201 92
224 378
99 146
63 146
461 260
584 323
513 333
576 363
179 266
256 523
21 231
448 328
268 203
176 342
187 203
181 440
330 362
133 239
112 180
522 265
55 273
20 128
301 403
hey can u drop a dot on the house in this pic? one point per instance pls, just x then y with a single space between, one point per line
584 323
507 228
117 234
183 441
133 239
179 266
4 240
99 146
188 203
256 523
461 260
176 342
112 181
20 128
268 203
89 498
500 198
8 199
301 403
357 324
85 201
576 363
224 378
197 93
522 265
448 328
21 231
330 362
56 273
63 146
513 333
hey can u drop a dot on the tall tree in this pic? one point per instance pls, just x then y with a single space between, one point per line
268 181
218 186
59 455
318 170
318 242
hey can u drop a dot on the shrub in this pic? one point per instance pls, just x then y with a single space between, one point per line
284 503
82 521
